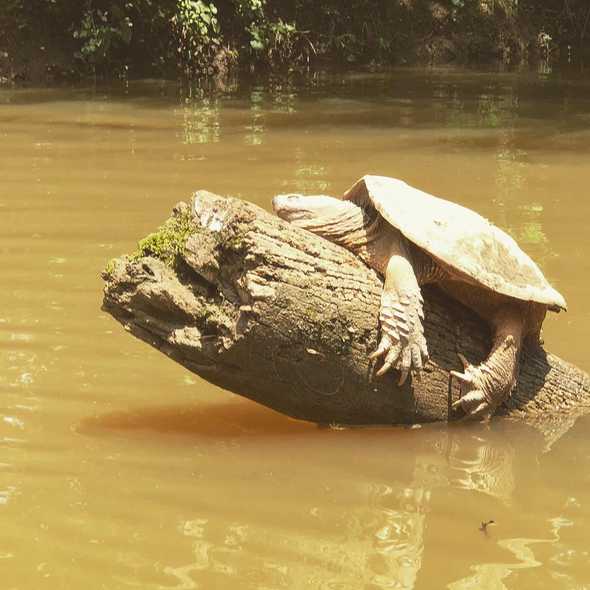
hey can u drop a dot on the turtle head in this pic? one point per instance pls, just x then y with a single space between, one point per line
340 221
326 216
305 210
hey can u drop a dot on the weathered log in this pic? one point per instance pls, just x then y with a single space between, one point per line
288 319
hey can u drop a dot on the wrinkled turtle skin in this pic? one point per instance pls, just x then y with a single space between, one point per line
413 238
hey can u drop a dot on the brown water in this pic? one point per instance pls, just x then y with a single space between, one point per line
119 469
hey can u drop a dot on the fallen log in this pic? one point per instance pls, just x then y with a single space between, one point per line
288 319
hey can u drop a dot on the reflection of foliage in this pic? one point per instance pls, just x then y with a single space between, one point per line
532 233
201 121
531 230
535 242
510 178
310 177
256 128
525 224
485 111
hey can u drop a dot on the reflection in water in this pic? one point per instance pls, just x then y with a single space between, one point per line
485 468
532 231
309 174
510 175
493 575
379 541
195 530
255 130
201 121
7 493
396 556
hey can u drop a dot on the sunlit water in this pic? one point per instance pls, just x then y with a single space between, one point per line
119 469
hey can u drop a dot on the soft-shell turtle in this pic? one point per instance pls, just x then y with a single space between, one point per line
413 238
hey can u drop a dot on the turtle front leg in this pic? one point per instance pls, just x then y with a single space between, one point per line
402 345
486 386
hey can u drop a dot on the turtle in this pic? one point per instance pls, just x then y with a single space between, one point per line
413 238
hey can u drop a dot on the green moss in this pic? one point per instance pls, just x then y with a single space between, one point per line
167 243
109 269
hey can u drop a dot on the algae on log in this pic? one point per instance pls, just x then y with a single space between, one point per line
288 319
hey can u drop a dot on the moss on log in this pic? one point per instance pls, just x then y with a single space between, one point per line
285 318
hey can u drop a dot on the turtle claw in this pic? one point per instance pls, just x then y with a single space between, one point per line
464 377
476 403
384 368
391 350
403 376
466 364
408 358
381 349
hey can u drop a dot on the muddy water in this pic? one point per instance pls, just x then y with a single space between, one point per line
119 469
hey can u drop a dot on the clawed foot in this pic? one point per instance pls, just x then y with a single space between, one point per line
407 356
481 393
402 345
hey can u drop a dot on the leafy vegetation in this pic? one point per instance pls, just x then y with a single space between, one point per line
196 37
196 33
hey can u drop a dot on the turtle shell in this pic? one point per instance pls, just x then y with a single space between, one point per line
462 240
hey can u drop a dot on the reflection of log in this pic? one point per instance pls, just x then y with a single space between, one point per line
286 318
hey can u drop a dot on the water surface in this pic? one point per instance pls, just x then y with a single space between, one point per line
119 469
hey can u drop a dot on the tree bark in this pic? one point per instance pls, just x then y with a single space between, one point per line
288 319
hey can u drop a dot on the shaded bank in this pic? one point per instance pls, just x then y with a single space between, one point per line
42 40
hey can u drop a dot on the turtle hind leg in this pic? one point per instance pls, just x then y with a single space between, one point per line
486 386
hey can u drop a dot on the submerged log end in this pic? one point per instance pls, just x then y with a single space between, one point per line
283 317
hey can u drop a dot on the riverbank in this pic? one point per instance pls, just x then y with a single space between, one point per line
63 40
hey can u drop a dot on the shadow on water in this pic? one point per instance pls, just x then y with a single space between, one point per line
249 420
233 419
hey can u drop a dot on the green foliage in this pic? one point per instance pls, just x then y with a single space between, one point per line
197 34
110 268
280 43
102 32
267 34
151 37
